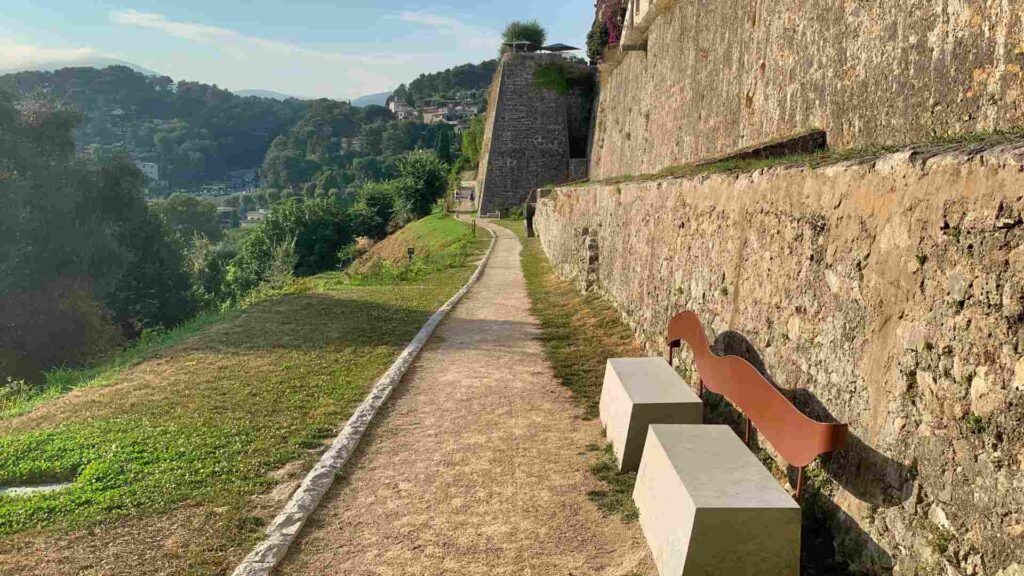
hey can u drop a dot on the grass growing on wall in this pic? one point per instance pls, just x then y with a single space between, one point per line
195 423
937 143
579 332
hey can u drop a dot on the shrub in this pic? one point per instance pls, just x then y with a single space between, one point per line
189 215
208 268
551 76
61 323
316 229
349 254
373 210
597 40
421 183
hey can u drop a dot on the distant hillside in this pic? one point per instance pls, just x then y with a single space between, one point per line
267 94
460 82
196 133
337 144
378 99
97 62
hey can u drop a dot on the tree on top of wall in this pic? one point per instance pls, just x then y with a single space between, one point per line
520 31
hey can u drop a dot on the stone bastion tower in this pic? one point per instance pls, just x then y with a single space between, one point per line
536 134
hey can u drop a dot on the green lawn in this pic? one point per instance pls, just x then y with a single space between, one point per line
433 238
579 332
205 418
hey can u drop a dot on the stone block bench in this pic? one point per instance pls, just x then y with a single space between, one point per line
708 507
636 393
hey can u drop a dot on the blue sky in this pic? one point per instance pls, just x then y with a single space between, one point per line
335 49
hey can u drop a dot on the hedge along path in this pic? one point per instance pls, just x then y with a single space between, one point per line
285 527
479 463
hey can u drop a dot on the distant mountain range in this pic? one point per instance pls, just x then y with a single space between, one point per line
93 62
267 94
379 99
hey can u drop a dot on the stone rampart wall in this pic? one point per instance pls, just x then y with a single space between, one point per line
888 294
731 73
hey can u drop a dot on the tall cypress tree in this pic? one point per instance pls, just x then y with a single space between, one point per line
444 147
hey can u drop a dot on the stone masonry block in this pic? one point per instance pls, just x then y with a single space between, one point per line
709 507
638 392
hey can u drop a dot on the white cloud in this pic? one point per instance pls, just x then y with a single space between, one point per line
15 56
465 35
299 69
231 41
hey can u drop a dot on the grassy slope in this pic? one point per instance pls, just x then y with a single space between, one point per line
579 333
433 235
204 421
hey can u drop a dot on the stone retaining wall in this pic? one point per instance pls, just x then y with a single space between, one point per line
722 75
887 293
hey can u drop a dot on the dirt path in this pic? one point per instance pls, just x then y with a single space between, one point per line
477 465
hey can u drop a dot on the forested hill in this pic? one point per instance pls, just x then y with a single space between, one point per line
337 144
196 133
448 84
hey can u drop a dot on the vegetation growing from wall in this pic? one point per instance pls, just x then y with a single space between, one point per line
822 158
597 40
606 29
552 75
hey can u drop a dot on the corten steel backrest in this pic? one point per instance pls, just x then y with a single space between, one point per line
797 438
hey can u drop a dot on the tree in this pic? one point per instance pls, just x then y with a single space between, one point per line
189 215
79 231
444 147
520 31
373 210
473 140
597 40
367 169
314 229
398 138
421 183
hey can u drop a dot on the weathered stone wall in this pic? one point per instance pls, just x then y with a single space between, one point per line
890 292
726 74
526 139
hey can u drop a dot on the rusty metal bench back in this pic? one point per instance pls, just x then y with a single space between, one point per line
797 438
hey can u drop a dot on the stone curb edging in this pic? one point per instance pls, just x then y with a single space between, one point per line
286 526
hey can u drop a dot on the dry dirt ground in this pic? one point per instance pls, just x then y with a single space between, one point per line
478 466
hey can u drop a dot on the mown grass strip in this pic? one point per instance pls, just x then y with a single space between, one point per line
579 332
18 400
210 414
